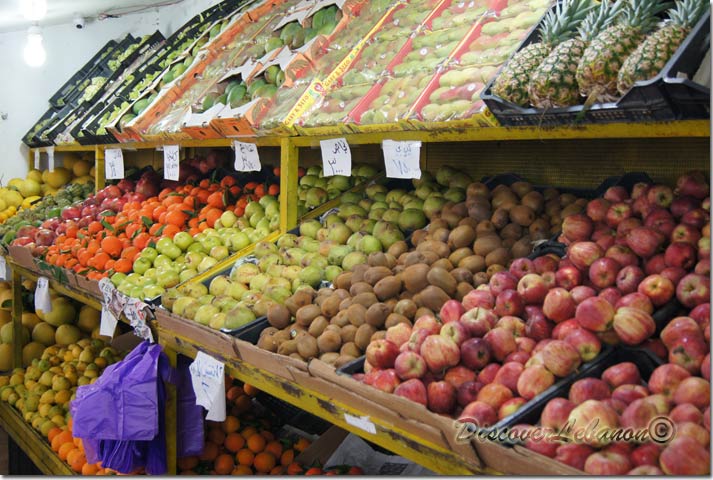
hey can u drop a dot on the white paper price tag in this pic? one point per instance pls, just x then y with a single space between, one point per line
208 379
107 324
336 157
3 269
50 158
247 158
135 311
361 422
113 164
37 159
42 295
171 169
402 159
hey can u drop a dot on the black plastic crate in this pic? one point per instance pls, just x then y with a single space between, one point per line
647 101
288 414
32 140
691 99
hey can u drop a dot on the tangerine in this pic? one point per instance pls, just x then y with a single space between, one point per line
224 464
234 442
245 457
264 462
256 443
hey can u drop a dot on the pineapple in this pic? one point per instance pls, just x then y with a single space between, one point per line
597 71
557 26
651 56
553 83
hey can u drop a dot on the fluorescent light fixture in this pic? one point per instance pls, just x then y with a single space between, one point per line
34 52
33 10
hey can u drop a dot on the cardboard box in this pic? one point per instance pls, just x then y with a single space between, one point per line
273 363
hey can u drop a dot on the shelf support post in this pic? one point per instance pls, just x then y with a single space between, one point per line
98 168
16 318
170 414
289 159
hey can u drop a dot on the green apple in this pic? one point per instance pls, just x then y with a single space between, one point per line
141 264
186 274
172 251
125 288
118 278
181 303
238 317
206 264
152 291
137 292
219 285
228 218
149 253
183 240
219 252
167 278
193 259
197 247
211 241
252 208
163 244
163 261
238 241
236 290
218 321
151 273
205 313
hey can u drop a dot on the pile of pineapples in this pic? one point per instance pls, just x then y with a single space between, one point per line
594 52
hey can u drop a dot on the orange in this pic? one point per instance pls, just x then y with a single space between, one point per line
78 462
301 444
64 437
248 432
234 442
242 470
287 457
187 463
250 390
230 424
264 462
90 469
54 431
243 403
112 246
64 450
233 393
256 443
268 435
274 447
294 468
278 470
216 435
245 457
224 464
210 452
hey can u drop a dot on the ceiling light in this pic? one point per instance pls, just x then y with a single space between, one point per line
34 52
33 10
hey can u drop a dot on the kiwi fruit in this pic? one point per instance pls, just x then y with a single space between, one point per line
499 256
443 263
374 274
288 347
307 346
406 307
359 271
306 314
440 277
330 306
485 227
486 244
356 313
462 290
432 297
278 316
360 287
297 300
511 230
423 311
329 358
380 335
344 359
317 326
474 263
387 287
344 304
462 275
348 333
418 236
343 280
395 319
397 248
340 319
521 248
480 278
457 255
363 336
461 236
413 258
267 342
414 277
377 259
329 341
375 315
350 348
439 234
439 248
522 215
366 299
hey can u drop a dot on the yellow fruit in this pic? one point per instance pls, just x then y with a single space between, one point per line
35 175
12 198
46 378
47 397
81 168
6 334
30 320
15 183
46 426
4 380
29 201
63 312
92 172
6 357
3 205
67 334
89 319
83 180
32 402
43 333
58 420
31 351
62 396
60 383
44 409
5 317
59 177
29 188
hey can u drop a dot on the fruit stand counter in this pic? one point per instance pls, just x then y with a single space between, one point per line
351 416
30 441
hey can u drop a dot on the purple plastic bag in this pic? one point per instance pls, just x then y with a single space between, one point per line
190 435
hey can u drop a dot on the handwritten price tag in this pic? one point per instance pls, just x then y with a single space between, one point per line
402 159
208 379
37 159
171 169
247 158
113 164
135 311
4 274
336 157
42 295
50 158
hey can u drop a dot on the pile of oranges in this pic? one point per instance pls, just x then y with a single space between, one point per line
111 244
71 450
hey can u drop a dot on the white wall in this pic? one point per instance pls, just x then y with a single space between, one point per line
25 91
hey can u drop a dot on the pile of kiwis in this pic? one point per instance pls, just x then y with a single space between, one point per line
462 247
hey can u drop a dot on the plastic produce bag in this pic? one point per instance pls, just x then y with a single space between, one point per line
190 435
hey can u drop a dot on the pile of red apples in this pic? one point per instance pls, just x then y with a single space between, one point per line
632 253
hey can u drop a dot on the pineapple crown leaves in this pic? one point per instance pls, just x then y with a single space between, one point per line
561 23
686 13
599 19
642 14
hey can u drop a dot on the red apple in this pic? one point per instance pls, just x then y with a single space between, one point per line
451 311
622 254
603 272
635 300
509 374
695 218
645 470
414 390
581 293
646 454
693 290
429 323
510 407
459 375
545 263
582 254
661 195
556 413
595 314
585 342
703 267
617 405
686 412
525 344
545 447
521 267
532 289
517 356
487 374
568 277
618 212
563 329
479 413
616 193
704 247
515 324
468 393
693 390
686 234
694 184
656 346
701 314
382 353
534 380
706 367
494 394
660 290
680 328
655 264
660 220
633 326
644 241
559 305
597 209
573 454
638 414
535 359
607 463
611 295
666 378
441 397
478 298
479 321
386 380
537 326
628 279
440 353
685 456
509 302
624 227
621 374
588 389
577 227
593 416
409 365
456 331
501 342
475 353
674 274
627 393
501 281
660 402
399 334
694 431
549 279
707 418
680 254
418 335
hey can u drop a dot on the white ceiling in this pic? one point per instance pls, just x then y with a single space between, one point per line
63 11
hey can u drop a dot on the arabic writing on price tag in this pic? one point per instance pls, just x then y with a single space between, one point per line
402 159
247 158
135 311
336 157
50 158
171 169
208 379
42 295
113 164
37 159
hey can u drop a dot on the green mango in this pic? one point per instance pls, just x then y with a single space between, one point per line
236 95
